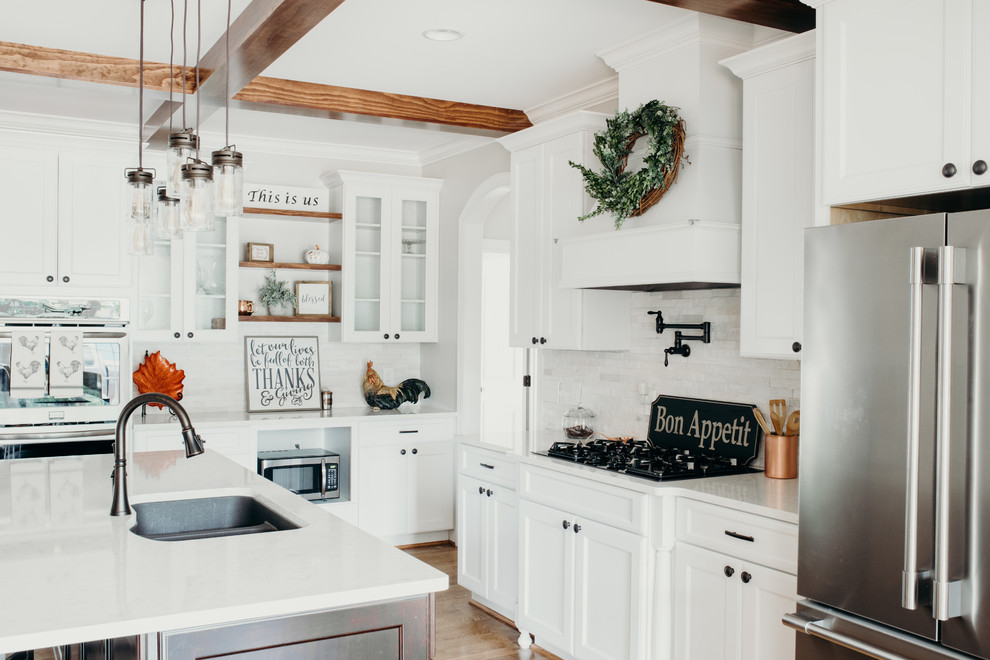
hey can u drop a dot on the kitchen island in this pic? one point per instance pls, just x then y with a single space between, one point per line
72 573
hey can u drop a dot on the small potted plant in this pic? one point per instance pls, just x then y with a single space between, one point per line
276 294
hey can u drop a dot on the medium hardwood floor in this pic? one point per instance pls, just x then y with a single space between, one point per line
464 631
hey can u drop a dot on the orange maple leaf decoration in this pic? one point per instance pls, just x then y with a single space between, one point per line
159 375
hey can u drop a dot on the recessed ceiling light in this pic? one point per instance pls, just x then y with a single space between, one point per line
443 34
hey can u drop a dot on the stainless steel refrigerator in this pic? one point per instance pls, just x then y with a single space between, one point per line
894 529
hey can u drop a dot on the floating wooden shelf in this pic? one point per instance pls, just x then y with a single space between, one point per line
298 318
283 265
315 215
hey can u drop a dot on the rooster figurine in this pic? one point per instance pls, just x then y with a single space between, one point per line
382 397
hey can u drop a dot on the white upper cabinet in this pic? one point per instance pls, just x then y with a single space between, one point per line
63 220
905 92
778 195
390 256
547 199
188 286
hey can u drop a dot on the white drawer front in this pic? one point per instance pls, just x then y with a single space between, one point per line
416 429
745 535
584 498
487 466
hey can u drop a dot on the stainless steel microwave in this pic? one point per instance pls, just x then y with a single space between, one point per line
310 473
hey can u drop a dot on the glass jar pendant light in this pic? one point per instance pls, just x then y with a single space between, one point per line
196 196
140 182
228 181
167 225
182 145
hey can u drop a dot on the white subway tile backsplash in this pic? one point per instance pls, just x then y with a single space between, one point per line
608 382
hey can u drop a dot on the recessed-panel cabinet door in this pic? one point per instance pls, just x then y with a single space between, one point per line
503 564
384 490
92 238
546 574
28 216
526 266
706 604
472 536
896 94
415 245
433 475
366 266
610 565
766 597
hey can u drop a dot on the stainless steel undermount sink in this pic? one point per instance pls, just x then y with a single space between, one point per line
206 517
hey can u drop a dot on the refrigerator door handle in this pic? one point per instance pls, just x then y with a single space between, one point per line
910 576
946 594
818 628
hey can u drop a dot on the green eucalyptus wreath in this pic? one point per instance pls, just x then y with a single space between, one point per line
629 194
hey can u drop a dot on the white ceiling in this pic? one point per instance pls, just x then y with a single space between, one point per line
519 54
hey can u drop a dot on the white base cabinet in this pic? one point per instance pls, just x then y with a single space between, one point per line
488 528
734 578
583 583
239 445
406 478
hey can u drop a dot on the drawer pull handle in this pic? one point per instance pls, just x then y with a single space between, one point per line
411 431
486 465
741 537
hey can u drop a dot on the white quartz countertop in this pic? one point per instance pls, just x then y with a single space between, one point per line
755 493
69 572
299 418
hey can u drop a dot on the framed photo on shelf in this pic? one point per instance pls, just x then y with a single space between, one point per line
313 297
283 373
260 252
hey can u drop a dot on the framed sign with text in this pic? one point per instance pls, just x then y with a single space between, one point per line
283 373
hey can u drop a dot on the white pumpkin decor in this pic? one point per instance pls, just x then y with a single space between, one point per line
317 256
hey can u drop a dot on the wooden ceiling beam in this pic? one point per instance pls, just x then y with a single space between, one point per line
337 101
789 15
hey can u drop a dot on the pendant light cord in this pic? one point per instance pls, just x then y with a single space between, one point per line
185 12
199 34
171 58
141 95
226 85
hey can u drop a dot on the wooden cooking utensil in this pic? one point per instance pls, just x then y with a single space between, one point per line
761 420
778 413
793 426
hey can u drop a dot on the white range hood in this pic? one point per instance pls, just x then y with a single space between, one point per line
691 238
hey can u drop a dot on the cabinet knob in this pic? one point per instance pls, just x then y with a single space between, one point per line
397 335
746 577
190 335
565 524
948 170
65 278
402 451
796 347
386 335
415 451
50 278
577 528
980 167
489 492
535 340
543 340
177 335
729 571
481 490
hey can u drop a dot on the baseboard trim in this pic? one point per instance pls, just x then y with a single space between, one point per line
490 612
426 544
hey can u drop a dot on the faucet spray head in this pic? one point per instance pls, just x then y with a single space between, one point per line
193 443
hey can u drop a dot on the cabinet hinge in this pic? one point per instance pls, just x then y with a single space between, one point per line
527 381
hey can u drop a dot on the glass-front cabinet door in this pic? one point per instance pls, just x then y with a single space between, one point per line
389 256
187 286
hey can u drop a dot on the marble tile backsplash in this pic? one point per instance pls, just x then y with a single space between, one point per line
215 373
608 383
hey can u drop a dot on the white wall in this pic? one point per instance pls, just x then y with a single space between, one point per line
607 382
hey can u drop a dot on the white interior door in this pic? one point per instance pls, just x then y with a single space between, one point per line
502 366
